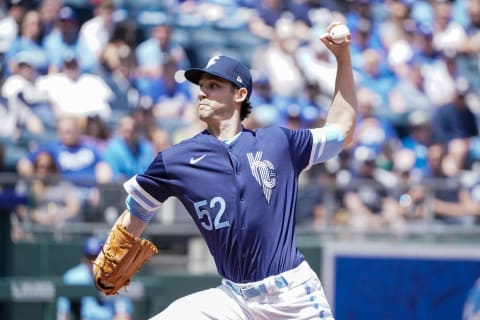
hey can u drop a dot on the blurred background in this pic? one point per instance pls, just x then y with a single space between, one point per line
91 90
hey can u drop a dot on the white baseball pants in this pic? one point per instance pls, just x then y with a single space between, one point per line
294 294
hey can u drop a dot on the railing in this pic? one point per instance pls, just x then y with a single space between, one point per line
173 220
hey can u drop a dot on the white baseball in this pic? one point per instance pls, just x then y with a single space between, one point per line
338 33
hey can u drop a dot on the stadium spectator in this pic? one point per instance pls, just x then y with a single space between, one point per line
364 36
292 118
10 24
96 31
92 308
418 138
64 40
306 110
13 135
452 203
375 74
29 115
468 61
408 190
118 68
438 44
473 156
73 93
192 126
160 139
407 95
2 157
448 34
471 182
29 39
361 10
128 153
368 199
277 60
364 18
372 130
400 54
394 33
424 49
170 94
269 12
55 201
144 117
52 200
13 188
327 190
454 124
317 64
268 108
439 77
313 106
78 162
96 132
153 52
394 28
49 11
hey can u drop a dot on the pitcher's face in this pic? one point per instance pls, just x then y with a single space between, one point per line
215 99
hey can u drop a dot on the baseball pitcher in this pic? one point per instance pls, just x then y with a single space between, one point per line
240 188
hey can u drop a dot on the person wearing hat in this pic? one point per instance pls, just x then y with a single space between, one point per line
454 124
64 39
96 31
91 308
418 137
240 187
157 48
82 273
367 197
27 40
29 110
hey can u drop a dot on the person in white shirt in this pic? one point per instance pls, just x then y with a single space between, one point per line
9 25
77 94
96 31
26 105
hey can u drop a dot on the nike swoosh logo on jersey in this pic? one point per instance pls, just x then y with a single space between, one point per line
195 160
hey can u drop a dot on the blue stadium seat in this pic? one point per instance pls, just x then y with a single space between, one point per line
209 37
138 5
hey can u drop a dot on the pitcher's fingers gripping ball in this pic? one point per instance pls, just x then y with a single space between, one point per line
122 256
339 33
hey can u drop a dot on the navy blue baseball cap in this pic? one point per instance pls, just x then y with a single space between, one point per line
226 68
67 14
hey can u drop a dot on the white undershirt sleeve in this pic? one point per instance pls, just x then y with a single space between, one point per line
327 143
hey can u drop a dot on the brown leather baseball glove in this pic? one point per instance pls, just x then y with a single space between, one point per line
122 256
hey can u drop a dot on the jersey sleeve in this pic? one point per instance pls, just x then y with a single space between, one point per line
151 188
300 145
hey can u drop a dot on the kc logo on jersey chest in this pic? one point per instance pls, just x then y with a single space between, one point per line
264 172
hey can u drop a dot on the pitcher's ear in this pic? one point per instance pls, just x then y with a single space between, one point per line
241 94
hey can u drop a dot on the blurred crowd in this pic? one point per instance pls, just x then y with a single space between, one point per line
91 90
